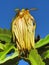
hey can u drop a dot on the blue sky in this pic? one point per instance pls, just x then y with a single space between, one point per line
41 16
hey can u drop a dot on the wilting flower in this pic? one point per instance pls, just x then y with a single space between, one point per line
23 30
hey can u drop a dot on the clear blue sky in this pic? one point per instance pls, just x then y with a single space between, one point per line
41 16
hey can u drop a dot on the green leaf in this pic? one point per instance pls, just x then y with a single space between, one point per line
35 58
42 42
3 54
15 54
1 46
5 37
45 54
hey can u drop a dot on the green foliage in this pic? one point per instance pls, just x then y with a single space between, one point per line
5 37
33 57
5 31
15 54
1 46
42 42
6 49
45 54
